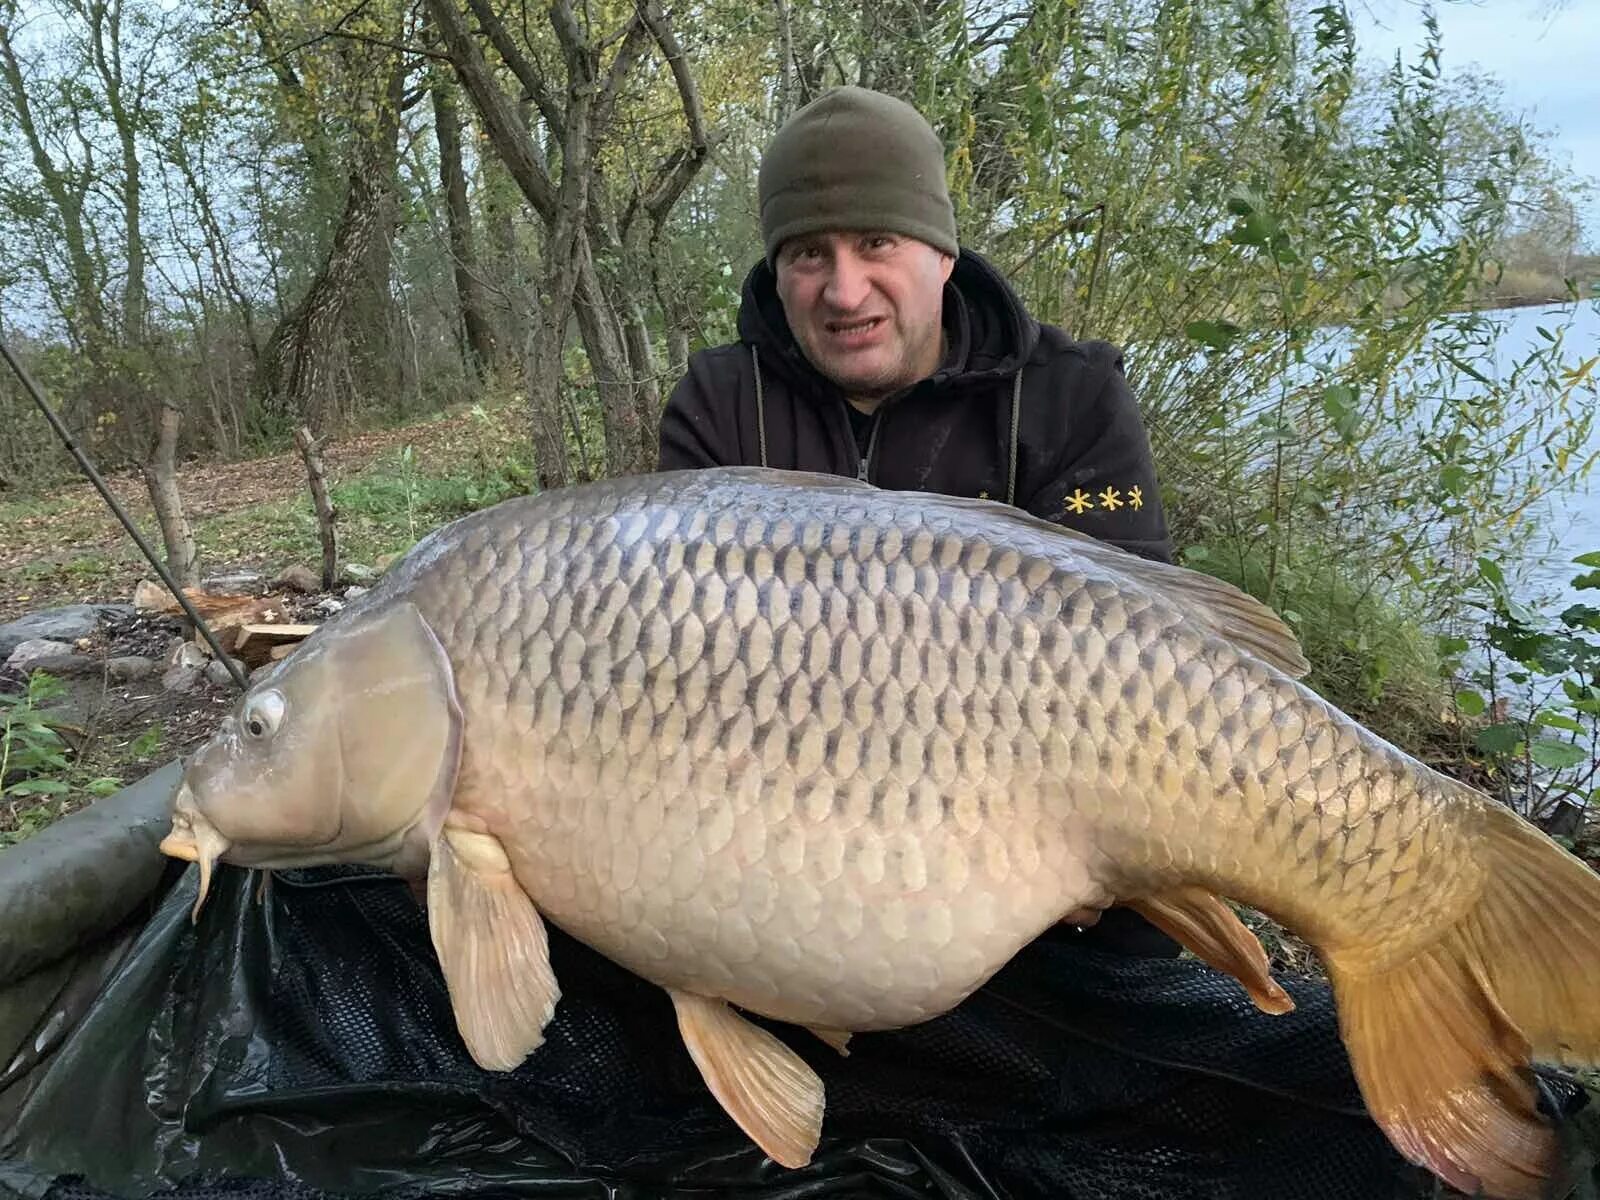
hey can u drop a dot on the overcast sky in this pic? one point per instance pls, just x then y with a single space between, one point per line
1546 53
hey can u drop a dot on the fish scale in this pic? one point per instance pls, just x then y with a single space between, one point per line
834 755
993 602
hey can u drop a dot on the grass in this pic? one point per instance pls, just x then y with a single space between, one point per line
22 508
381 512
390 487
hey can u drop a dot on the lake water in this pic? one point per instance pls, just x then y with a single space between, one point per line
1568 522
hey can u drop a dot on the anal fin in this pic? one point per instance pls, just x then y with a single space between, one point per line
492 947
1203 924
766 1088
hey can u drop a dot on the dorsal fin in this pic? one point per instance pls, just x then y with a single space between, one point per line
1226 610
1231 613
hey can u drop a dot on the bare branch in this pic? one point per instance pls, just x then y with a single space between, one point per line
279 60
527 74
655 18
990 35
388 45
500 119
679 168
634 39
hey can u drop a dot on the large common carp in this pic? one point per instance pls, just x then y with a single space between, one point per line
793 745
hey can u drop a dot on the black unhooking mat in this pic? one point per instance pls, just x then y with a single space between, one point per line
304 1046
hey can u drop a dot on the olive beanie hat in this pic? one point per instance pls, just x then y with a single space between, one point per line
855 159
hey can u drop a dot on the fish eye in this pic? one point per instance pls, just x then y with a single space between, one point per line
263 714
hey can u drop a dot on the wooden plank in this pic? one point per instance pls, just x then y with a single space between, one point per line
253 644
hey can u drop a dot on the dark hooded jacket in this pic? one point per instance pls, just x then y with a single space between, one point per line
1018 411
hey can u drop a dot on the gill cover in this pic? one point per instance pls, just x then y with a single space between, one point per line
347 752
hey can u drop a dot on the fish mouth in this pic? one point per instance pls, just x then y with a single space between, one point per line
194 839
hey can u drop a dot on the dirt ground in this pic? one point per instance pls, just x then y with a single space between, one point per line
67 546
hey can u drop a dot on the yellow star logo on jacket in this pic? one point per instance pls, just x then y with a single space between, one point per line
1111 499
1135 497
1079 501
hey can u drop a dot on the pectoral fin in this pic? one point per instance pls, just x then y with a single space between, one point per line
1203 924
837 1038
492 947
763 1085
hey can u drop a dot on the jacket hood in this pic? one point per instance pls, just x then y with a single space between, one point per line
990 333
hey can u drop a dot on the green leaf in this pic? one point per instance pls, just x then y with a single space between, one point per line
1339 403
1257 229
1591 559
1558 721
1471 703
1453 479
1499 739
1555 755
1578 692
1581 616
1490 570
1452 645
1589 579
38 787
1217 334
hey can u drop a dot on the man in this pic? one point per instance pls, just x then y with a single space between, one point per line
873 344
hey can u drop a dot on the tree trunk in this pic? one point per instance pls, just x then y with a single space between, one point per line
372 323
645 384
614 330
480 341
608 356
317 475
161 479
301 354
67 188
543 378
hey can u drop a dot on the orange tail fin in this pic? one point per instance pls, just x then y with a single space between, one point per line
1441 1042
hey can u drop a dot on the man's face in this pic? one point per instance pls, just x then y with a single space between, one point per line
865 307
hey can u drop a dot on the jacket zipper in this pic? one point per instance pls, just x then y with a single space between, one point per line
864 463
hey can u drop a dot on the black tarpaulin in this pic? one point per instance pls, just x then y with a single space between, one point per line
303 1046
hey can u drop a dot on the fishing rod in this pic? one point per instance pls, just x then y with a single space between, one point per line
29 386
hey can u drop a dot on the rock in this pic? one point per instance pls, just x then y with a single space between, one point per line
327 606
31 651
217 672
300 579
234 581
185 653
355 591
65 624
180 679
129 667
66 666
358 573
